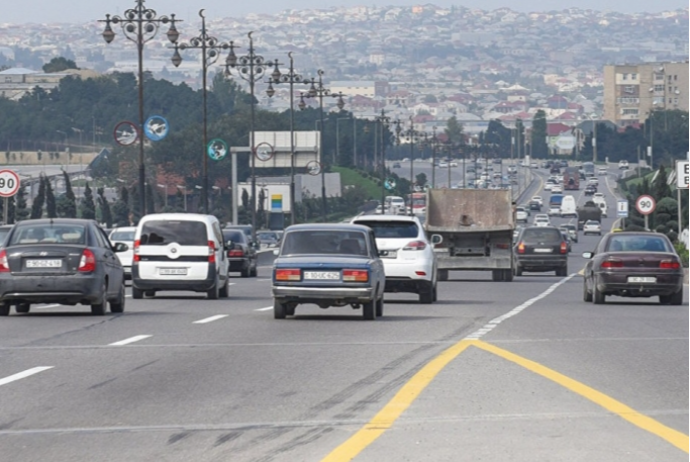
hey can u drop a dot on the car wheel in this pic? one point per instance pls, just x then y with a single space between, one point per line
379 307
213 292
435 293
98 308
562 271
368 310
4 309
279 311
137 294
22 308
673 299
245 273
224 290
150 293
290 309
253 272
442 275
586 294
518 270
426 294
118 305
597 297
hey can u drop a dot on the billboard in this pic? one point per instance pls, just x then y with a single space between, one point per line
306 148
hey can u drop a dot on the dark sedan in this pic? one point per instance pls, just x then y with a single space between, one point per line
329 265
540 249
241 254
634 264
61 260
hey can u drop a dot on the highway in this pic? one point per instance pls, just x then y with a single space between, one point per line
522 371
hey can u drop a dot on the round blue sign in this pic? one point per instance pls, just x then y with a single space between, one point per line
389 184
156 128
217 149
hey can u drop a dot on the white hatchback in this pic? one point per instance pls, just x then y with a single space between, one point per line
408 257
125 235
542 220
179 251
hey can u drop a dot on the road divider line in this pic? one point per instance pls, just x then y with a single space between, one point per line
25 374
264 309
210 319
387 416
491 325
676 438
127 341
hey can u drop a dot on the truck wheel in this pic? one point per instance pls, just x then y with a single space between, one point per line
279 310
508 275
518 270
586 294
562 272
442 275
496 275
290 309
369 311
22 308
673 299
435 292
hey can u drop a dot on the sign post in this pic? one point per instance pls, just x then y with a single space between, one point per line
682 180
9 185
622 209
645 204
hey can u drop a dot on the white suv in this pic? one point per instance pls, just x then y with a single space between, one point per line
408 257
179 251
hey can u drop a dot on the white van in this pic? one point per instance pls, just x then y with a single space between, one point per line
394 204
568 207
179 251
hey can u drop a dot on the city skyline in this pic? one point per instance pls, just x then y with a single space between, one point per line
49 11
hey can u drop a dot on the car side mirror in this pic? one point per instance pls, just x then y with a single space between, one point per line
436 239
120 247
588 255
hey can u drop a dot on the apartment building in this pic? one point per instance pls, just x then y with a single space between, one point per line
631 92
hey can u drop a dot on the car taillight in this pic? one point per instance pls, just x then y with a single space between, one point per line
87 263
415 245
4 266
521 247
135 252
350 275
236 253
288 274
664 264
612 263
564 247
502 245
211 252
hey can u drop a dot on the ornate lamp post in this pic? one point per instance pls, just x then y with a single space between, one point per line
317 90
251 68
140 25
412 136
210 47
383 122
290 78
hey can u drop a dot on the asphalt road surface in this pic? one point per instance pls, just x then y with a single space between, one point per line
522 371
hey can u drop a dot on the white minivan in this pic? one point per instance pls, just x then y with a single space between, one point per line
568 207
179 251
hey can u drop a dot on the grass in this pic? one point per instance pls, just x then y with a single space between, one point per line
349 176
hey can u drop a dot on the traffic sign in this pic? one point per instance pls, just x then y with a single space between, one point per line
313 167
389 184
264 151
622 208
126 133
682 174
9 183
645 204
156 128
217 149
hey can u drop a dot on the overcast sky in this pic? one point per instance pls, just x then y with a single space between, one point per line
45 11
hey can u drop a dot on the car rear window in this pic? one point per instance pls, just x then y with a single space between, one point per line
122 236
234 236
49 234
541 235
165 232
638 244
325 242
392 229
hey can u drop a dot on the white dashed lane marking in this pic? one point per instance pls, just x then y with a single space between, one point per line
127 341
23 375
210 319
264 309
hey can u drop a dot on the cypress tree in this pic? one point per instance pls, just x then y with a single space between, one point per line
104 206
18 207
51 207
39 200
70 204
87 208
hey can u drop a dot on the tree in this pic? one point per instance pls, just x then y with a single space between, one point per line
87 207
39 200
179 202
121 209
58 65
50 199
540 148
135 209
454 131
67 204
150 203
421 180
104 207
21 212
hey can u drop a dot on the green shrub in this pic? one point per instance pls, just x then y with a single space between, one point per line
683 253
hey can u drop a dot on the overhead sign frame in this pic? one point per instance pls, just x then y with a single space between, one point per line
682 174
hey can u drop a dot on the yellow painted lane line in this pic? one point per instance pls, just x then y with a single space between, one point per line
676 438
396 406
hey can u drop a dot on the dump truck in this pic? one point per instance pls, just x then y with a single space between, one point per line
589 211
471 230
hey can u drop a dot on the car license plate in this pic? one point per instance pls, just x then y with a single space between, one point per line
328 275
642 280
44 263
388 253
172 271
543 250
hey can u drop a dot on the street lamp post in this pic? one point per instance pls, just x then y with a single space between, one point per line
184 188
140 25
317 90
383 120
251 68
210 47
290 78
411 136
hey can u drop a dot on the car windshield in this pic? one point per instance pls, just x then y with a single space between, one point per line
392 229
49 234
541 235
164 232
122 236
310 242
622 243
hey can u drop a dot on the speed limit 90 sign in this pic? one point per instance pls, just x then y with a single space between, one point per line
645 204
9 183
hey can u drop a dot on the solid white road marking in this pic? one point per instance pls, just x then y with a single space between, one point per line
210 319
22 375
127 341
496 321
264 309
